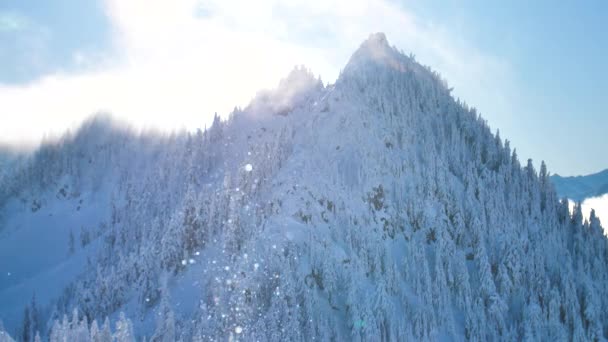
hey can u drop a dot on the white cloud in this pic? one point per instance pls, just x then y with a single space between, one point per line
600 205
178 62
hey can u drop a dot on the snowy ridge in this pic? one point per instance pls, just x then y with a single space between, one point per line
581 187
378 208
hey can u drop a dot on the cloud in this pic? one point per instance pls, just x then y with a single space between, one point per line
175 63
11 22
600 205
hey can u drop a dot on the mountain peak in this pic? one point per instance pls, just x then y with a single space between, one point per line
376 40
376 50
376 47
292 90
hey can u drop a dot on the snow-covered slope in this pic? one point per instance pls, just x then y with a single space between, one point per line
376 208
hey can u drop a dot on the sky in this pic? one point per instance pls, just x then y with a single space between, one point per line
535 70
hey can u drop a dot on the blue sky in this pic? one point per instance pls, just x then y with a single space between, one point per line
535 70
42 37
557 51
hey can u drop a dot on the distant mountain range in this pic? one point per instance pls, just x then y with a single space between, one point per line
578 188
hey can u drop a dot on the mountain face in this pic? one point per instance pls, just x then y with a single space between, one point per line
378 208
580 188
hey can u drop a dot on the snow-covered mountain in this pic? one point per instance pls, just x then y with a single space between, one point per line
579 188
378 208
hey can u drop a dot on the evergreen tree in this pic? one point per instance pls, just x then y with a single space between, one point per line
165 325
71 243
4 336
124 330
26 331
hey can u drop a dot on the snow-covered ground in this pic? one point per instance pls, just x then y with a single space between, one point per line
35 256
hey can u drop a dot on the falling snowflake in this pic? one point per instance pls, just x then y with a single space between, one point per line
191 261
248 167
256 265
184 262
238 329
